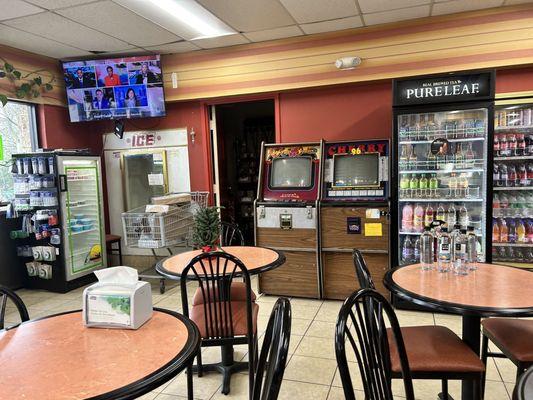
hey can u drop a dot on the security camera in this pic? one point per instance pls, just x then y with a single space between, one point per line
347 62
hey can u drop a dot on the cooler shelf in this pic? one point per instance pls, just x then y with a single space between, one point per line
470 139
439 171
512 244
506 188
513 158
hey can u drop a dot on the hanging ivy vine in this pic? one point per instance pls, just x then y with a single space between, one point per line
27 86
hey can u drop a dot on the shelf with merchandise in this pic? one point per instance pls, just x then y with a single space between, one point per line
440 200
451 140
441 171
424 194
513 127
499 244
514 158
507 188
420 233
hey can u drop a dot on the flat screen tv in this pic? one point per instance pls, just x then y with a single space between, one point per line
291 173
116 88
359 170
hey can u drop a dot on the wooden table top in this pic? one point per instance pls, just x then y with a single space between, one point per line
255 259
491 290
59 358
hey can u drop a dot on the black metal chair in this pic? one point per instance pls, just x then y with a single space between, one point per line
231 234
370 341
273 356
508 335
434 352
523 389
222 320
8 294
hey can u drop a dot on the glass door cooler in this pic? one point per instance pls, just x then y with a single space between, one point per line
512 196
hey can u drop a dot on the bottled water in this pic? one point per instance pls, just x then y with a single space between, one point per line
426 249
471 249
453 234
444 251
459 253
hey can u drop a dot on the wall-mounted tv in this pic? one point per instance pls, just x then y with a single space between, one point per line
116 88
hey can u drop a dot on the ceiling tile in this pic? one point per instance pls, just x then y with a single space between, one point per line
55 4
36 44
396 15
119 22
304 11
221 41
271 34
371 6
170 48
60 29
247 16
334 25
16 8
463 5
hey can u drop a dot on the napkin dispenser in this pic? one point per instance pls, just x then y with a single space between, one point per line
117 300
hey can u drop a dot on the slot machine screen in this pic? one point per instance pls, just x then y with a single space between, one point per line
291 172
356 170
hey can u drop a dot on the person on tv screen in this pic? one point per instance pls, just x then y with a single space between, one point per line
81 80
111 79
131 98
145 76
100 102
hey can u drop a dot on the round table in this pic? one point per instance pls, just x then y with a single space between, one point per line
524 386
255 259
57 357
492 290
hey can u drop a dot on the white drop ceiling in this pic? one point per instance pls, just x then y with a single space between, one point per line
76 28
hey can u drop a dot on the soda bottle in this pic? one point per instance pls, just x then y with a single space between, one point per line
433 185
407 218
444 251
521 202
441 214
407 250
423 186
503 175
451 216
522 175
520 144
452 186
496 205
463 216
504 231
511 231
413 159
495 231
529 144
496 148
496 174
520 231
418 219
511 140
529 230
459 253
404 157
471 249
426 249
511 175
503 146
428 215
470 156
416 250
530 172
504 205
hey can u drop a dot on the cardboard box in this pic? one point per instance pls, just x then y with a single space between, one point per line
173 198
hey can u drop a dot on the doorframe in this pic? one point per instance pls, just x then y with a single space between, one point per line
231 100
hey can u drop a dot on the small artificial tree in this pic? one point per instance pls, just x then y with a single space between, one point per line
206 230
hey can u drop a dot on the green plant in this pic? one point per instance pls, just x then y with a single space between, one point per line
26 86
206 230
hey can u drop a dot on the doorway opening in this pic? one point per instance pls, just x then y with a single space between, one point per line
237 132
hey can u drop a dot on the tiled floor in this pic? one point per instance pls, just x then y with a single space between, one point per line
311 372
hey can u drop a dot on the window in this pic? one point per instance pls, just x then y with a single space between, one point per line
18 134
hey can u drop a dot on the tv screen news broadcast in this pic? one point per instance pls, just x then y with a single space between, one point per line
117 88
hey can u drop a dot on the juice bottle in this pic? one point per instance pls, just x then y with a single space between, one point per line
496 205
418 219
441 214
404 157
423 185
413 185
504 231
428 215
433 185
404 185
495 231
452 185
520 231
407 218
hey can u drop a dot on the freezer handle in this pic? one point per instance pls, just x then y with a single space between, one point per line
63 187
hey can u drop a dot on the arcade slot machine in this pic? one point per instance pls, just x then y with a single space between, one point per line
286 217
354 214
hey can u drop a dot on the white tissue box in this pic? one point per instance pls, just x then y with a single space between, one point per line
111 305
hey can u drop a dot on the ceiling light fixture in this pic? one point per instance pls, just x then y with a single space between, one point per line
192 14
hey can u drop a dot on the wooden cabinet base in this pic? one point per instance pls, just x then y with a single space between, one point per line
339 273
297 277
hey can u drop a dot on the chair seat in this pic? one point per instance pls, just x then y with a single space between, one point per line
238 293
512 336
434 349
238 313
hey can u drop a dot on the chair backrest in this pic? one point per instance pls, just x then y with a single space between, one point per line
274 351
215 272
230 234
361 270
8 294
369 340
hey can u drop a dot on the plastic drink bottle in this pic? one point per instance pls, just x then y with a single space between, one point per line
444 251
426 249
416 250
407 250
428 215
418 219
407 218
471 249
454 232
459 253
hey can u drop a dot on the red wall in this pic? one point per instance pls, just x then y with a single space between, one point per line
514 80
